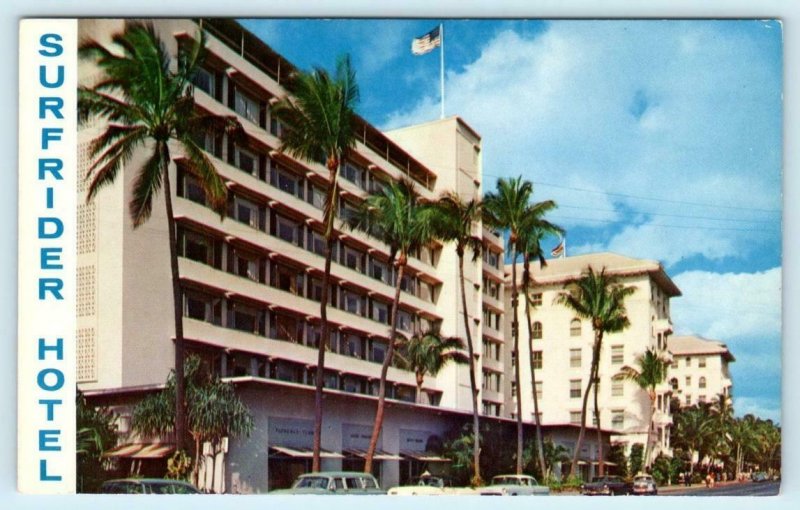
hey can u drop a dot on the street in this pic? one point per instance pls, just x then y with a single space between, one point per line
733 489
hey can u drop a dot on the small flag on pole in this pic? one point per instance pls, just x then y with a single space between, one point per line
426 43
558 251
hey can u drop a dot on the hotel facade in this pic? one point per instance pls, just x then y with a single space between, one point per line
699 372
251 285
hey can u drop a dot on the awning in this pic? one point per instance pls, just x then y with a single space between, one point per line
607 463
141 451
379 454
304 453
424 457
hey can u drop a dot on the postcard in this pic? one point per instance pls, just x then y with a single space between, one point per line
400 256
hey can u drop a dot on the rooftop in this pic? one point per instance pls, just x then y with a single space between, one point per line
562 270
692 345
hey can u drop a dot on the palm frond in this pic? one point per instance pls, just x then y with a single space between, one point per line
147 184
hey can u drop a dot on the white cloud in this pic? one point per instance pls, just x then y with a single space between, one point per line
679 111
729 306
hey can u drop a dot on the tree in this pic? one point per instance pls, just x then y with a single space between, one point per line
637 457
506 209
651 371
214 409
534 228
601 299
693 432
454 221
399 217
149 106
319 120
428 352
96 432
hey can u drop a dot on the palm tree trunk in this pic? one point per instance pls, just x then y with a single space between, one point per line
376 429
649 432
420 380
323 343
515 332
196 468
526 277
180 383
592 374
476 449
599 434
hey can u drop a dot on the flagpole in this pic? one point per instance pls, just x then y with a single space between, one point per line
441 65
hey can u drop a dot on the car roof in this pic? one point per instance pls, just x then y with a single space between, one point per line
147 480
336 473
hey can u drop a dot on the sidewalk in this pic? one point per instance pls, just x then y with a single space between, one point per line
676 487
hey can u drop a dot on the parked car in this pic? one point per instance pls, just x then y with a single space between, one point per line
334 482
644 484
514 485
606 486
430 485
147 486
760 476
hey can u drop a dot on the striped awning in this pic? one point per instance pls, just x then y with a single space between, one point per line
304 453
141 451
379 454
424 457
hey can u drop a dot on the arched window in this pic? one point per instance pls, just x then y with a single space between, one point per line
674 383
537 330
702 382
575 327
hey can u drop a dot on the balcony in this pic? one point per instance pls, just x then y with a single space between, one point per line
662 326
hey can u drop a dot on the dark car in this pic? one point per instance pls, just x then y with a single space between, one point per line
147 486
606 486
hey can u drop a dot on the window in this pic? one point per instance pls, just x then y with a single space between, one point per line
688 361
244 318
408 284
379 271
538 358
198 248
380 312
539 391
246 161
575 327
513 389
205 81
351 302
674 364
537 330
575 358
617 388
193 190
701 399
701 383
701 362
202 307
378 351
245 264
688 400
617 419
245 211
575 417
316 289
246 106
317 197
353 258
617 355
674 384
688 381
347 211
288 279
288 230
575 388
317 243
536 299
352 345
353 174
289 183
404 321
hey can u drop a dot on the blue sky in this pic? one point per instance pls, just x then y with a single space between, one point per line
658 139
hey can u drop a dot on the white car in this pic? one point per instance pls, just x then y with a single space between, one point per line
515 485
429 485
644 484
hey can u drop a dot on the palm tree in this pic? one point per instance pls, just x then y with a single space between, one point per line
399 218
214 409
428 352
651 371
454 221
320 126
601 299
534 229
149 106
744 438
506 209
693 432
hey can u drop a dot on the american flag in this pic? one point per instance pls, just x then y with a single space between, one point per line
426 43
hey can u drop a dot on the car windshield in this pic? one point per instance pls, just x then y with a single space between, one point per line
429 481
642 479
312 482
505 480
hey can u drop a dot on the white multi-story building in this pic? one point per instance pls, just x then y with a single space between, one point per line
252 282
699 371
561 349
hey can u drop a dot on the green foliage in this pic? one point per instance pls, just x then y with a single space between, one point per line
616 454
636 458
179 466
214 410
96 433
428 352
665 470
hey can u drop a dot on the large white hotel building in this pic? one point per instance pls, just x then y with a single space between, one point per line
252 283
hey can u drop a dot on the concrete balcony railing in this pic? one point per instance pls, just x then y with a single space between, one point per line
493 303
492 271
492 364
662 326
492 396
